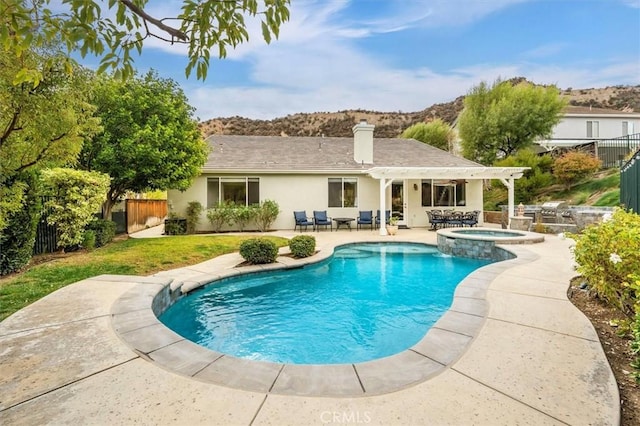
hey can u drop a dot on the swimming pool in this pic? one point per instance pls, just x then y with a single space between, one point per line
369 300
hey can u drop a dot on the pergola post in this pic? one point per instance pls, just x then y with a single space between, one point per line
510 184
384 183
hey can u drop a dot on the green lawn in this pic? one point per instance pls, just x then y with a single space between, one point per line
144 256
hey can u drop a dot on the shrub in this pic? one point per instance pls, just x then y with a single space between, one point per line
76 196
259 250
607 255
175 225
574 166
533 180
89 240
302 245
194 209
104 231
266 214
18 238
243 215
220 215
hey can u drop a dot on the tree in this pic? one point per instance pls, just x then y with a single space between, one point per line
113 30
42 126
435 133
535 179
574 166
76 196
499 120
150 139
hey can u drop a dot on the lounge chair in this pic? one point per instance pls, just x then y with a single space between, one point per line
365 217
320 218
386 220
302 220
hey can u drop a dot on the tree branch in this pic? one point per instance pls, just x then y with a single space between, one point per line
10 127
156 22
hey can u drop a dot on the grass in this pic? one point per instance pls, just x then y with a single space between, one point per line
601 190
144 256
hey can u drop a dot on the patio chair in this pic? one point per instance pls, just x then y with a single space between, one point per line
320 218
302 220
365 217
455 219
387 216
470 218
436 219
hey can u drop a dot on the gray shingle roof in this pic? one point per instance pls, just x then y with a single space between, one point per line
275 153
585 110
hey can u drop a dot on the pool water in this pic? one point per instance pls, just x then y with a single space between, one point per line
366 302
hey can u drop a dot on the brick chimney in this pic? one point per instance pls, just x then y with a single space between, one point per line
363 142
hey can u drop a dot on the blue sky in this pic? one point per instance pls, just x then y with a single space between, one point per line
405 55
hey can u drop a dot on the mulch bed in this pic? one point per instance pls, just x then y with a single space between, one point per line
617 348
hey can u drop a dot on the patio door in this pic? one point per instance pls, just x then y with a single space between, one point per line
398 201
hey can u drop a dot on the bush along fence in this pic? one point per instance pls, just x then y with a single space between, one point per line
630 183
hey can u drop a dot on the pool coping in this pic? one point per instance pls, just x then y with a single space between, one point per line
133 318
527 237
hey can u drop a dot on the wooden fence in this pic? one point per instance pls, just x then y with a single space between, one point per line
142 214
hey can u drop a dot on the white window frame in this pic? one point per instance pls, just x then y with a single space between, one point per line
221 180
593 129
342 191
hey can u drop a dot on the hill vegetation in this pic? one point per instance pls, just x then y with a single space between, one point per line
392 124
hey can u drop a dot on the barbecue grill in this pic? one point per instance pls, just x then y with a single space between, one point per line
554 211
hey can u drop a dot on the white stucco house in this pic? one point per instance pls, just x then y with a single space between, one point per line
607 130
339 175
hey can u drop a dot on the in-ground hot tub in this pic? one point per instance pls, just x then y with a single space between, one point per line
480 242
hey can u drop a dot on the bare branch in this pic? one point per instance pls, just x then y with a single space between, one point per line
156 22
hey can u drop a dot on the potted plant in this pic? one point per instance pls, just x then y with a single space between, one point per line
392 226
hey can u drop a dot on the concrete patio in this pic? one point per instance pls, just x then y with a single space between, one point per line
530 357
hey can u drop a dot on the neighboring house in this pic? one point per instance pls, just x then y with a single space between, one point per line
608 133
339 175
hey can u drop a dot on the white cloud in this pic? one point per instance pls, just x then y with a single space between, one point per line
318 65
392 89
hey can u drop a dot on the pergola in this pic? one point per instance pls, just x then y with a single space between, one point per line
386 175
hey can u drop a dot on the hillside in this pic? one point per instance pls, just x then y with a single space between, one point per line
391 124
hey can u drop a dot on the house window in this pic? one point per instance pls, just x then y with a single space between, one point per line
343 192
443 193
238 190
593 129
625 128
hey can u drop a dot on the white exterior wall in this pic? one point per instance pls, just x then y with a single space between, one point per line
310 192
575 127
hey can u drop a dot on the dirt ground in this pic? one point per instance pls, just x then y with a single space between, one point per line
617 349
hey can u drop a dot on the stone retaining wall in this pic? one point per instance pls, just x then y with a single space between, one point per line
476 249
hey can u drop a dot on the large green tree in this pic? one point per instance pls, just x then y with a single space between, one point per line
150 140
42 126
435 133
114 29
499 120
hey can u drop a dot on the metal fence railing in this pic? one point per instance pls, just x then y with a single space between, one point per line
630 183
46 235
614 152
